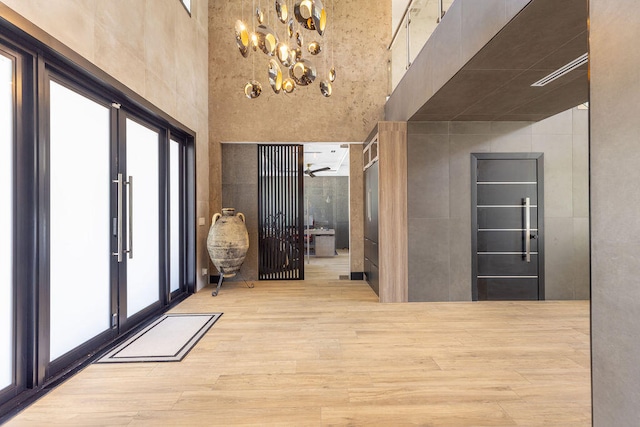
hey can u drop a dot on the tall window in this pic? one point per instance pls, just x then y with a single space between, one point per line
7 296
80 221
174 215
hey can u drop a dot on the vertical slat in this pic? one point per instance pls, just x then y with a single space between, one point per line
259 211
294 214
274 207
279 210
301 205
276 192
284 195
271 201
260 181
299 212
294 209
267 204
290 271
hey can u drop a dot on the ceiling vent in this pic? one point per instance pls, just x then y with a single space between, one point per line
578 62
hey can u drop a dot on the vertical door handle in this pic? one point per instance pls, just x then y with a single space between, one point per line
130 222
119 183
369 207
527 229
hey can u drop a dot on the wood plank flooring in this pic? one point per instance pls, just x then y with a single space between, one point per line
325 352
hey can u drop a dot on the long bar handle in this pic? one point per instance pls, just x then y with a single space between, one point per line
130 222
527 226
119 184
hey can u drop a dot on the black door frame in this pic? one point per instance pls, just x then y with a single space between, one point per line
23 206
125 322
539 157
38 54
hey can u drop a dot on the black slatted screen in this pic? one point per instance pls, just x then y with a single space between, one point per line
280 212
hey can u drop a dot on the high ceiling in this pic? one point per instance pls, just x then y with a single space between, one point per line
496 83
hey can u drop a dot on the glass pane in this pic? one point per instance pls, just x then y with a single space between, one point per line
399 56
174 212
6 222
424 20
80 219
143 273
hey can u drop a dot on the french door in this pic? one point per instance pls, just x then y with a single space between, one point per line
97 214
137 219
115 251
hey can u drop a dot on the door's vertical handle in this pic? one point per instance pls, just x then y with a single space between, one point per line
369 207
119 183
527 229
130 222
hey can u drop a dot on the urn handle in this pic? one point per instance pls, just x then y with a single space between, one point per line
216 217
241 216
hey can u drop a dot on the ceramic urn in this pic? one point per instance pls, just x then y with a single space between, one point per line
228 241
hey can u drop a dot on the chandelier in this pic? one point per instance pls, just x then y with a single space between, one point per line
287 69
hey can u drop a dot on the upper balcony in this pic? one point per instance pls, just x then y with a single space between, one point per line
484 58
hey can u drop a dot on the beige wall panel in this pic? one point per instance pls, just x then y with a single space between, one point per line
153 47
392 211
356 209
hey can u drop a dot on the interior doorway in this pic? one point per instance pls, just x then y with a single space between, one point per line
326 210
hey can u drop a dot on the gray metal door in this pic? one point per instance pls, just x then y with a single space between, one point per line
507 224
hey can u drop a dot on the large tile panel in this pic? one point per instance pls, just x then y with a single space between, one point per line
460 148
559 259
558 173
428 176
460 286
428 260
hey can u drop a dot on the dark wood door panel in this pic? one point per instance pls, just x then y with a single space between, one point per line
504 194
371 250
507 289
507 170
505 218
504 241
506 265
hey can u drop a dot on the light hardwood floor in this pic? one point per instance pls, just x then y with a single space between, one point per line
325 352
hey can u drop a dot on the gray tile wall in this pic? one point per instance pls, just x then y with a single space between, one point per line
615 205
240 191
439 207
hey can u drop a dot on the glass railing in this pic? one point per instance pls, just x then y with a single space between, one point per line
419 21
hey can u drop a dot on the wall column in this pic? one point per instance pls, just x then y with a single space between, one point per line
615 210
